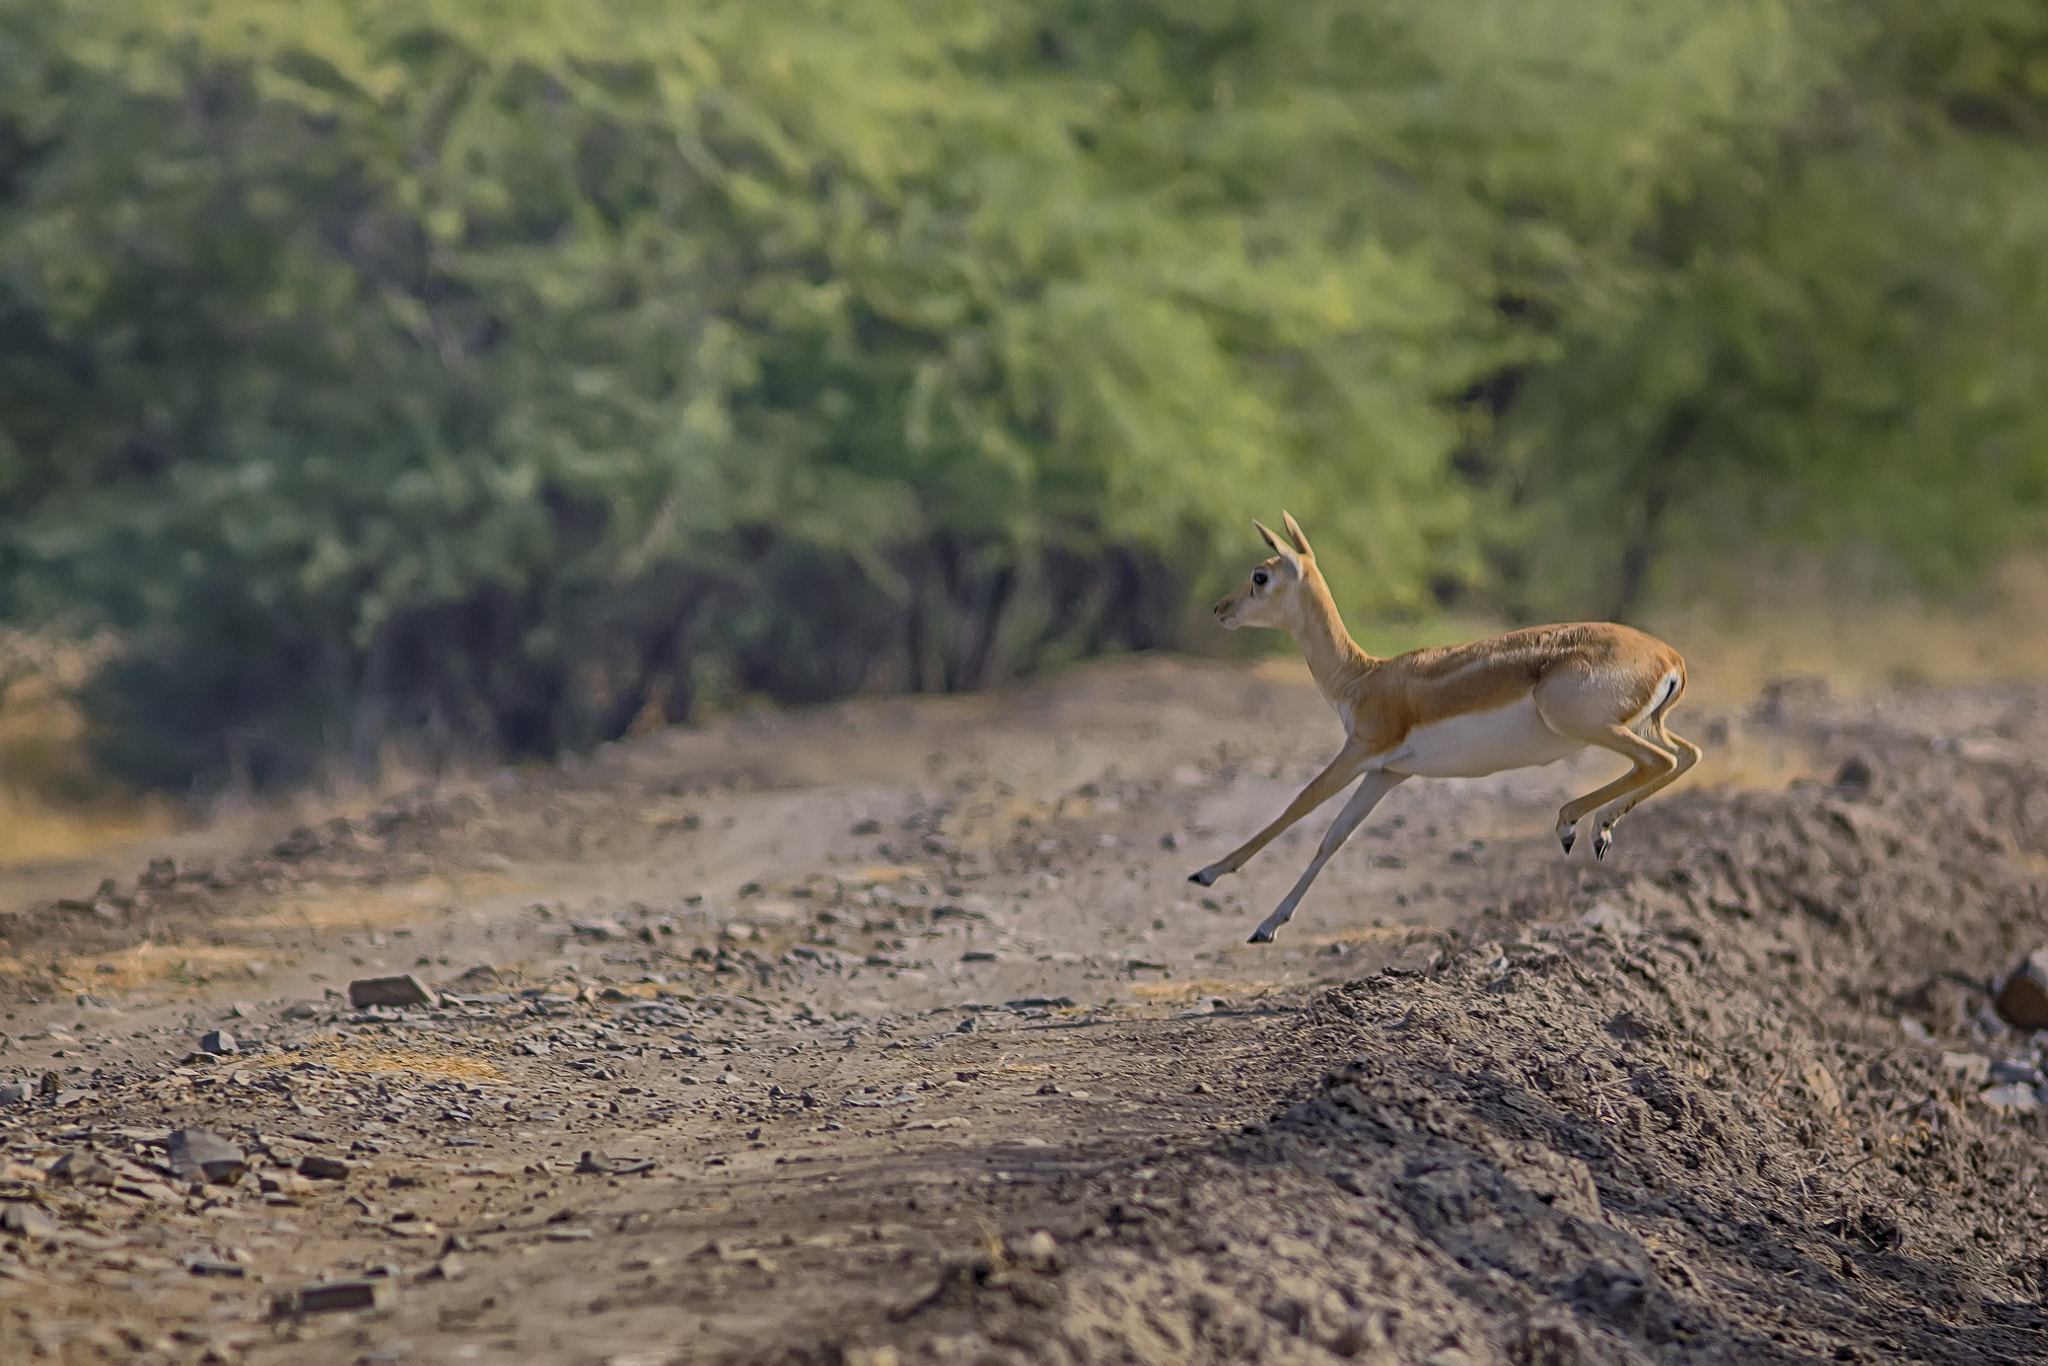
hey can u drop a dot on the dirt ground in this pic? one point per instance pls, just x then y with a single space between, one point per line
893 1033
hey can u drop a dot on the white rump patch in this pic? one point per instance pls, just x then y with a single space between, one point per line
1666 686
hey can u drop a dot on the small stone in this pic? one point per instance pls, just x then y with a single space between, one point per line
207 1267
966 1026
1970 1067
324 1297
2023 1000
161 873
49 1084
448 1268
1038 1250
17 1093
2011 1097
27 1221
1853 778
570 1235
2014 1071
1611 920
301 1010
201 1155
1051 1088
84 1169
406 990
323 1168
217 1042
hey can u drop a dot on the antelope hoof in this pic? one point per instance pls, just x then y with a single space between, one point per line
1207 877
1603 840
1262 935
1568 836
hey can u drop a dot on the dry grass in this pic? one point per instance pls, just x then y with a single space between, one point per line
1861 644
369 909
127 969
52 805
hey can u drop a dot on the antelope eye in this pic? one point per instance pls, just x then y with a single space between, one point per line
1259 578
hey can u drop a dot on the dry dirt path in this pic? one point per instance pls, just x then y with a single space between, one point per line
892 1031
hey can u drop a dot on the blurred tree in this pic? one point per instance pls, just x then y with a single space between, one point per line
503 377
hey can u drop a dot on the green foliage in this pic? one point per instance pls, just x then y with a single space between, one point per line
504 373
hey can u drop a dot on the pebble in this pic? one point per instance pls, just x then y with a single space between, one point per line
200 1154
2023 1000
17 1093
405 990
217 1041
323 1168
323 1297
27 1221
2011 1097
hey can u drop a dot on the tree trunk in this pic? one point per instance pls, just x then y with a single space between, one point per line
1645 543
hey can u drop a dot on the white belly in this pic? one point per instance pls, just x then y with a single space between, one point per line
1484 742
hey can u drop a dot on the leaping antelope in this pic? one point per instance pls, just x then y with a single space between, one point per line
1463 711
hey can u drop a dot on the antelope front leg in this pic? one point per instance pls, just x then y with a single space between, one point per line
1377 784
1320 789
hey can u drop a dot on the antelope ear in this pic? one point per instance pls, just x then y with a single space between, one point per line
1285 551
1294 534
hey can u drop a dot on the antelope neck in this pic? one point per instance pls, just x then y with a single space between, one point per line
1334 658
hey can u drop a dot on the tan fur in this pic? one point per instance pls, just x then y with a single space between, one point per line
1593 683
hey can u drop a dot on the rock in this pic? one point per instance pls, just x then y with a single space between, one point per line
27 1221
161 873
2011 1097
597 1164
84 1169
323 1168
17 1093
1611 920
1852 779
2022 1001
49 1084
448 1268
217 1042
2018 1071
1038 1251
1970 1067
200 1155
406 990
301 1010
205 1266
323 1297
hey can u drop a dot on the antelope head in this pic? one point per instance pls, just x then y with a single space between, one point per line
1269 597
